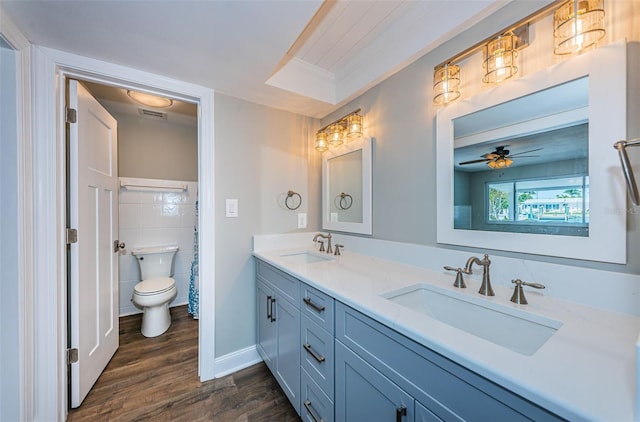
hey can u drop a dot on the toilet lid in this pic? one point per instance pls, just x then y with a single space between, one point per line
154 286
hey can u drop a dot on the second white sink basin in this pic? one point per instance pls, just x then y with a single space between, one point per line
517 330
307 257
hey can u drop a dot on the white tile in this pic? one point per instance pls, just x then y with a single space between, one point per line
129 216
175 197
128 197
182 262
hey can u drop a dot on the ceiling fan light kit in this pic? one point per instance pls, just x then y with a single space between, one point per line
500 158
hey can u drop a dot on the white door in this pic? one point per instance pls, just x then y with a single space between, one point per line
93 211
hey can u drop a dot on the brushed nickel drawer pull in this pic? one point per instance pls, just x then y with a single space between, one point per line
312 412
309 350
309 302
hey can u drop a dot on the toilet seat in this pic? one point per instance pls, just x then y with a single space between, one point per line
154 286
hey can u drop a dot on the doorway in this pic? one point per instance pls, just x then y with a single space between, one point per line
51 68
153 171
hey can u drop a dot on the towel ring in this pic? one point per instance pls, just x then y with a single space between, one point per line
292 194
345 201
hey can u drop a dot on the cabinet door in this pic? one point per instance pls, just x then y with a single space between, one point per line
266 326
364 394
287 322
425 415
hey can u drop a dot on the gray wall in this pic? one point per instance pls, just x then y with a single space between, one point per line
404 156
260 154
9 299
156 149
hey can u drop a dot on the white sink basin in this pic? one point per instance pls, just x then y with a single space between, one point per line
512 328
307 257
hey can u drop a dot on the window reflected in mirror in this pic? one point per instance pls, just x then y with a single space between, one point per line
538 183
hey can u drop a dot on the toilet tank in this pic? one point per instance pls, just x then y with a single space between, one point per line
155 261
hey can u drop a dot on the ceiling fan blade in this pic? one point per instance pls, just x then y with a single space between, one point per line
523 156
524 152
482 160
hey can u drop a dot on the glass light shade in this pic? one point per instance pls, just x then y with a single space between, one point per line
500 163
446 84
354 126
321 142
577 25
499 59
150 99
336 134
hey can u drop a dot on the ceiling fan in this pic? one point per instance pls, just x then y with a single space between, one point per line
500 158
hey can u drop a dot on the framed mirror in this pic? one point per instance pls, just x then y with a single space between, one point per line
346 187
529 166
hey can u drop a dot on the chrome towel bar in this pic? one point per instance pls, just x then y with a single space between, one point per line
626 167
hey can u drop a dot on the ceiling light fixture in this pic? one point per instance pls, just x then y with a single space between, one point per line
577 25
335 133
150 99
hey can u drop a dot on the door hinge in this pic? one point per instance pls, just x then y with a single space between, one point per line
72 115
72 236
72 356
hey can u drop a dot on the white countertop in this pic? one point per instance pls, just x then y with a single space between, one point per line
586 371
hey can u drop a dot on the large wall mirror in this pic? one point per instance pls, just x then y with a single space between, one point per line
346 188
529 166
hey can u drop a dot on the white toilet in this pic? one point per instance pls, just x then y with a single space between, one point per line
156 289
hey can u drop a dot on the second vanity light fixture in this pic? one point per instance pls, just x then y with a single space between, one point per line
578 25
335 133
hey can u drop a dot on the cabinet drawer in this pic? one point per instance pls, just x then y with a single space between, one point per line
288 286
317 354
449 390
316 406
317 306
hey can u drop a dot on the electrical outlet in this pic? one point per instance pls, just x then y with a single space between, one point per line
302 220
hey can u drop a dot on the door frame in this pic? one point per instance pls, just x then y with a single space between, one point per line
26 405
50 69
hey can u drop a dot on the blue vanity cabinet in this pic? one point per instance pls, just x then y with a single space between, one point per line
278 325
364 394
441 388
317 354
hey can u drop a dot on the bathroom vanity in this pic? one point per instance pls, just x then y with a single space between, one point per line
354 337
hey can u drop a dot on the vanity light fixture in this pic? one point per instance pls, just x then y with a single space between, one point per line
501 49
150 99
446 84
499 59
335 133
577 25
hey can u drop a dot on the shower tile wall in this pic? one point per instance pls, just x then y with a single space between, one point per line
153 219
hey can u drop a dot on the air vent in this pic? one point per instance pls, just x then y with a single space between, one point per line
152 113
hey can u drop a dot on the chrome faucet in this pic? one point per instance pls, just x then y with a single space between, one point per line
324 236
485 288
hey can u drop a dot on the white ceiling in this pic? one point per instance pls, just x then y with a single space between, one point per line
305 56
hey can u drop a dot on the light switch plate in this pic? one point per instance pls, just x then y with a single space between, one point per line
231 208
302 220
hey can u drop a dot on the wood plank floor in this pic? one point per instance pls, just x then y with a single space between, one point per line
157 378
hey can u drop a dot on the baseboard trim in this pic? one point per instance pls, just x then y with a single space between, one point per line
235 361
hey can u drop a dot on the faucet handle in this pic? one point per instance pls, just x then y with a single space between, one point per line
518 292
337 252
321 246
459 279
